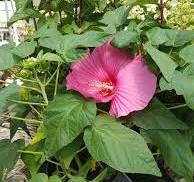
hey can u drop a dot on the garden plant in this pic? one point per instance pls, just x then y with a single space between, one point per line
100 88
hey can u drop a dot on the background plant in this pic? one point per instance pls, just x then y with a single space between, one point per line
89 145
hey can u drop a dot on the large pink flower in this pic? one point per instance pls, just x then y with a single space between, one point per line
108 74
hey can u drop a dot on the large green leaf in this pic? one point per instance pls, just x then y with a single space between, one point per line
25 49
124 38
9 154
170 37
164 62
187 54
65 118
175 150
54 179
157 116
6 93
116 17
7 59
118 146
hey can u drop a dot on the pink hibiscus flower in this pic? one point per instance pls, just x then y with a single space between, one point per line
108 74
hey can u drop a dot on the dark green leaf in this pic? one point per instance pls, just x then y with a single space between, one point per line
9 154
67 153
164 62
118 146
116 17
157 116
65 118
175 150
124 38
6 93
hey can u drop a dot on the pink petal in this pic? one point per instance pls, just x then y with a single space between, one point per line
102 65
135 88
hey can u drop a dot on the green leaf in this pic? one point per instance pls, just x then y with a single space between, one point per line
116 17
6 93
120 147
175 150
77 179
73 55
65 118
40 177
22 14
33 160
187 54
9 155
124 38
162 60
54 179
21 4
52 57
157 116
7 59
25 49
170 37
67 153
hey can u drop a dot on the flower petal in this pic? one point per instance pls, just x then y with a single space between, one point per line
136 86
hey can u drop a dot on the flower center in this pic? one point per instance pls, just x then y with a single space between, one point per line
105 88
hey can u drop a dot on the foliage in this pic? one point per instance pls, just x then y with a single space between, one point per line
74 136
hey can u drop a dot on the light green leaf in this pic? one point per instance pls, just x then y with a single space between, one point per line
9 154
187 54
6 93
22 14
170 37
25 49
164 62
67 153
52 57
157 116
120 147
65 118
54 179
116 17
73 55
175 150
7 59
124 38
40 177
77 179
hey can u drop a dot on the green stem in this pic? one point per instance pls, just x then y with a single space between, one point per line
100 110
52 76
35 110
53 162
30 152
177 107
27 103
22 119
57 79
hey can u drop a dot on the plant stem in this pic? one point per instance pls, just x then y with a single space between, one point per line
57 79
161 12
177 107
22 119
53 162
100 110
30 152
35 110
28 103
